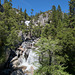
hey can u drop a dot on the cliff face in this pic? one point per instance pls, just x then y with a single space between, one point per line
42 18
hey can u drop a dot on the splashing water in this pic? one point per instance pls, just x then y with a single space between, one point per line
31 61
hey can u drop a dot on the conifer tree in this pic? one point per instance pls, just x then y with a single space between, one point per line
72 13
54 16
31 23
20 9
59 12
72 8
32 11
25 14
69 39
10 2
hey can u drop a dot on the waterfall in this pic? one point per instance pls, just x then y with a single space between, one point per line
31 61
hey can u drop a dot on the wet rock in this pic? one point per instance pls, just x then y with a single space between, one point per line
23 68
29 47
15 58
11 56
17 72
26 56
15 63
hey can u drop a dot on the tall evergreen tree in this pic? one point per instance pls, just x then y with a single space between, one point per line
10 2
54 16
72 8
31 23
72 13
59 12
32 11
20 9
25 14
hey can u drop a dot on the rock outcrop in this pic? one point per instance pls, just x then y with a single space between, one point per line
42 18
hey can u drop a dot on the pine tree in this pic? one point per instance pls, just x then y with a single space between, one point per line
72 8
20 9
25 14
50 57
54 16
68 39
30 27
32 11
72 13
10 2
59 12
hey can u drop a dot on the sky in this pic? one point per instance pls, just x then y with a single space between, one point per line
40 5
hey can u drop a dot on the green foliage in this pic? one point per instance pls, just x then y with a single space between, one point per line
20 9
49 31
44 15
72 8
57 44
10 25
26 15
68 41
32 11
54 16
56 47
37 30
50 57
59 12
72 13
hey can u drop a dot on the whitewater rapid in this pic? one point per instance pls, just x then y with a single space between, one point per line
32 60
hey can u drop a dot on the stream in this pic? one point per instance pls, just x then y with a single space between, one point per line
26 58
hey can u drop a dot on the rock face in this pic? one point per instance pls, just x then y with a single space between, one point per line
42 18
24 36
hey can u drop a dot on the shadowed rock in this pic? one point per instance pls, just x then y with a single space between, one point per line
17 72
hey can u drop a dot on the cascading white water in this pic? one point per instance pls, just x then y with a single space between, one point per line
31 61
